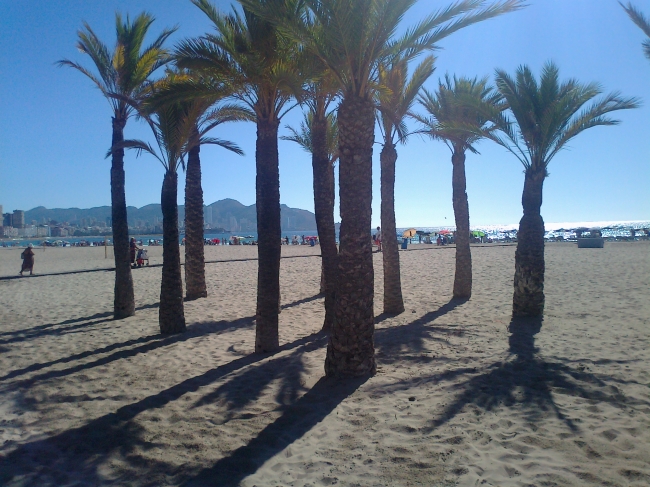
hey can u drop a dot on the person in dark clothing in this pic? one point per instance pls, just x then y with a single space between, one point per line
28 260
134 249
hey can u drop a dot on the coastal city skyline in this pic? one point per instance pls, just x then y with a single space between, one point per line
600 177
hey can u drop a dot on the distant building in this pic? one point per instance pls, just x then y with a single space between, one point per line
7 220
207 215
234 227
1 213
19 219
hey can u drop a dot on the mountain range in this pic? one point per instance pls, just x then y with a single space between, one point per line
228 214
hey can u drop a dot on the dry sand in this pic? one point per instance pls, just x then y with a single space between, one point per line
460 398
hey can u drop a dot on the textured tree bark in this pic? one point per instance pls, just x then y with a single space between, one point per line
351 349
324 190
269 235
124 302
528 299
195 286
171 315
463 277
393 301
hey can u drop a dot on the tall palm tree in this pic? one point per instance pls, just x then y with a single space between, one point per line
195 286
395 100
356 37
122 77
252 56
203 114
642 22
459 114
318 134
547 115
171 132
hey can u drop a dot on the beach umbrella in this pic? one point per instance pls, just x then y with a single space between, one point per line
477 233
410 233
444 232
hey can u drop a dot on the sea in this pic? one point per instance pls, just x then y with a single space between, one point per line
554 230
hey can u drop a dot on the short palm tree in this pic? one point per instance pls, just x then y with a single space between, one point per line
123 75
318 134
356 37
395 100
204 113
459 114
547 115
642 22
251 55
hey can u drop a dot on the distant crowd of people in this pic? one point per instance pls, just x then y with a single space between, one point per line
303 240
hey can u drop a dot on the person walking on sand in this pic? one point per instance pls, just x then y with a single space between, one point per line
378 239
28 260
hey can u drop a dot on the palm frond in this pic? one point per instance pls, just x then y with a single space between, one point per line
123 72
226 144
549 114
642 22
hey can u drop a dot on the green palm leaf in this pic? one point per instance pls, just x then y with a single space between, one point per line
548 114
642 22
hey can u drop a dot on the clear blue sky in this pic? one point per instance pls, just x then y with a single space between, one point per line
55 127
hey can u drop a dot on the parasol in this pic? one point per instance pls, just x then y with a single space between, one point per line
477 233
444 232
410 233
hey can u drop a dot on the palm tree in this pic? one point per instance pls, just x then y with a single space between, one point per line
171 131
203 115
208 119
547 115
642 22
122 77
395 100
318 135
254 58
459 114
356 37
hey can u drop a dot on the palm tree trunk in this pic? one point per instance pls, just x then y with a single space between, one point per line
124 302
194 246
351 349
269 235
393 301
528 299
171 315
323 170
463 277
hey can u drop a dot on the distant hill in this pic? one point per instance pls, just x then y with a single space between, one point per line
228 213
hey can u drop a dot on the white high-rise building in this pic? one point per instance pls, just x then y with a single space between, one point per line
207 215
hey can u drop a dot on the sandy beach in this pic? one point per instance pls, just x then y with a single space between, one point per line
462 395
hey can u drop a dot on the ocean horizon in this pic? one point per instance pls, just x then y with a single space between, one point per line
612 228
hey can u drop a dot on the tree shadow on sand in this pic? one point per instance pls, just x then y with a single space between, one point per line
296 420
528 380
78 454
532 381
62 328
145 344
410 341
